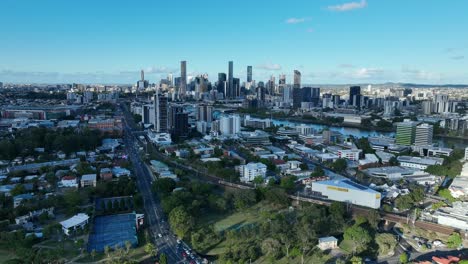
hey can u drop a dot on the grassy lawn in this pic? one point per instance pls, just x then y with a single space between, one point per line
5 256
235 220
297 260
137 254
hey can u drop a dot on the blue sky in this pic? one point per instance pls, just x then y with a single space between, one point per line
329 41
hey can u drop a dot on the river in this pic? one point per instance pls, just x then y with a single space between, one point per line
356 132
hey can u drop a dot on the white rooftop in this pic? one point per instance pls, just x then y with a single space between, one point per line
75 220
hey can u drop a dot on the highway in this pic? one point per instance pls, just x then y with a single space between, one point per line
154 216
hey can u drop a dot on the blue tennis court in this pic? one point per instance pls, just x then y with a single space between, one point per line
112 231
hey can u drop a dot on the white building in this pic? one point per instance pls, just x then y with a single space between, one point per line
466 153
78 221
418 162
68 182
459 186
454 216
305 130
202 127
351 154
347 191
325 243
88 180
229 125
252 170
160 139
423 135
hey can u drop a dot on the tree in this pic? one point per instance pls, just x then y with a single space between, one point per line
163 258
393 161
318 172
373 217
288 183
356 260
359 238
386 243
403 258
107 251
181 221
454 240
445 193
271 247
128 246
163 186
304 166
93 254
258 180
340 165
151 249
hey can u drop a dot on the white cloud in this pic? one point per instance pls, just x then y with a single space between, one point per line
348 6
269 66
159 70
295 20
366 73
346 65
420 75
460 57
310 30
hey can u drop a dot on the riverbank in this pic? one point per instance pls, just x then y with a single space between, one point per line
318 122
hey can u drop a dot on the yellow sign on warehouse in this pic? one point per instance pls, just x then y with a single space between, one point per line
337 189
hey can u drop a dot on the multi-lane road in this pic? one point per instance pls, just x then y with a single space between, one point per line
159 230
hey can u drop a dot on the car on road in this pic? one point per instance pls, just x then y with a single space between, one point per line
159 235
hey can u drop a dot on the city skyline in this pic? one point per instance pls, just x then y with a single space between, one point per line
329 42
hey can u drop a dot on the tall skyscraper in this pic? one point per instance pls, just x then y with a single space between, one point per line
297 79
297 97
230 90
183 78
205 113
405 133
221 85
315 96
160 108
173 110
181 126
142 83
282 79
230 125
235 87
355 96
249 73
424 134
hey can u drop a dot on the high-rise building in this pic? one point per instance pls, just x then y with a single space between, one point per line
1 85
221 85
161 109
306 95
147 114
205 113
142 83
336 100
183 78
249 73
287 94
423 135
426 107
355 96
297 79
173 110
441 102
236 87
282 79
315 96
230 125
297 97
181 126
405 133
170 79
230 89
